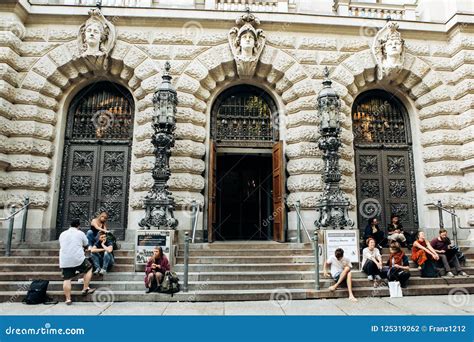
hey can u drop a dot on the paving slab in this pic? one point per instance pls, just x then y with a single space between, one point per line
429 305
367 306
193 309
270 308
23 309
136 309
321 307
77 309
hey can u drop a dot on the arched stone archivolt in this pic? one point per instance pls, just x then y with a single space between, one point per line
438 111
37 102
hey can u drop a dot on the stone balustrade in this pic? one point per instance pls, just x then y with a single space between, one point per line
375 10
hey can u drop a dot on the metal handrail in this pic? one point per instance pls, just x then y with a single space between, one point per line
194 218
300 223
455 219
11 218
315 241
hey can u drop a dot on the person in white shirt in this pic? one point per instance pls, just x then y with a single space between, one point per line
340 271
72 259
371 261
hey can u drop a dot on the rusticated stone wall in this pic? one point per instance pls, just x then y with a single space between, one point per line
37 69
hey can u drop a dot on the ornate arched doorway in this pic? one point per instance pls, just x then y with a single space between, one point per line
246 168
384 160
96 160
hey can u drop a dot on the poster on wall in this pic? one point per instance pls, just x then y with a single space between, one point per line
147 240
348 240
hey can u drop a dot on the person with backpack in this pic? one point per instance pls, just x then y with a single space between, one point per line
447 255
397 267
155 269
102 254
72 259
424 255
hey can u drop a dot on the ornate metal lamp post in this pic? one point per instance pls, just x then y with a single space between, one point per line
332 208
159 204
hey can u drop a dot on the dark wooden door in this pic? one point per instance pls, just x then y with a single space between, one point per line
211 186
384 187
96 160
278 192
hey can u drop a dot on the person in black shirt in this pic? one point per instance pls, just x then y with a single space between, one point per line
395 230
102 255
372 230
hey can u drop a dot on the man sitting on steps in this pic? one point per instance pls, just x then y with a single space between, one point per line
340 271
72 260
102 255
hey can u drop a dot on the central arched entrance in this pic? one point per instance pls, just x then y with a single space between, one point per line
96 160
246 172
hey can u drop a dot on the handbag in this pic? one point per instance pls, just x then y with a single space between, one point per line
395 289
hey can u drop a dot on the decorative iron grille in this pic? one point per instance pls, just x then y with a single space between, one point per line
103 113
243 113
378 119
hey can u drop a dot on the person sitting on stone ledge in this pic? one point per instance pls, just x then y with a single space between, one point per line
395 231
447 256
102 255
373 230
397 267
340 271
371 260
155 269
424 255
99 224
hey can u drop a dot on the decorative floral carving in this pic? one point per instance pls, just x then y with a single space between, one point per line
368 165
112 186
80 186
79 210
396 164
400 209
114 161
246 43
96 39
82 161
388 50
370 188
114 209
397 188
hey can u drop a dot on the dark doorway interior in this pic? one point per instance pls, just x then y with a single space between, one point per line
244 197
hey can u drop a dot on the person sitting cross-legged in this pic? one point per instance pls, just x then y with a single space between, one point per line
102 255
155 269
340 271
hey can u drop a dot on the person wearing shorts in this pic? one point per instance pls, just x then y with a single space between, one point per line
72 259
340 271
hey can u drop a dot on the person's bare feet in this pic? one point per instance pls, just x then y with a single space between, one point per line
352 299
332 288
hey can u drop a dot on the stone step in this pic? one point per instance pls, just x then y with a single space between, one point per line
137 285
55 252
21 260
247 259
247 245
34 268
105 295
250 252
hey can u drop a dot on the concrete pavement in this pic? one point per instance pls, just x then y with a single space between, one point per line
423 305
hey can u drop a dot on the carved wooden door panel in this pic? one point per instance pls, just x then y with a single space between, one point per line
384 187
369 185
278 192
96 180
398 188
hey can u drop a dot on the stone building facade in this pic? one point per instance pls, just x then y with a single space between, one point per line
45 70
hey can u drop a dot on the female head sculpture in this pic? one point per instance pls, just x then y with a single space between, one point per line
388 50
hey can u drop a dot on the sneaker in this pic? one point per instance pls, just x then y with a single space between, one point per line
464 274
103 271
370 278
449 274
96 272
378 278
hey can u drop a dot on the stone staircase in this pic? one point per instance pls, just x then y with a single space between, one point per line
222 271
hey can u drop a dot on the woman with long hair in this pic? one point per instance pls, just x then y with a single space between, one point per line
155 269
422 250
98 224
397 268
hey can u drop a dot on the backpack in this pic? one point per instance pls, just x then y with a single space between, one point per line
459 254
170 283
113 240
428 270
37 292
